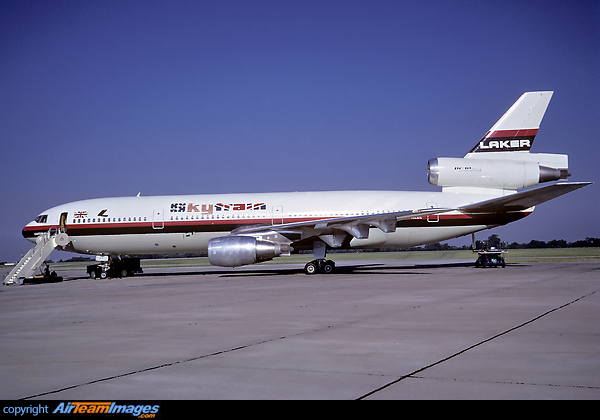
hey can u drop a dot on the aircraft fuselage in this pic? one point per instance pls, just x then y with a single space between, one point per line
183 224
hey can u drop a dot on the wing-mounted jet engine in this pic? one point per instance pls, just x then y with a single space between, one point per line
235 251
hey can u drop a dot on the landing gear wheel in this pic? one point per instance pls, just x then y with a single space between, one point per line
328 267
311 268
319 266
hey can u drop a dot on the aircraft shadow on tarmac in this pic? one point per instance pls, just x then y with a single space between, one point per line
292 270
371 268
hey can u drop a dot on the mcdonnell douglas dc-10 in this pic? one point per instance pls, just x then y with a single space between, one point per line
479 191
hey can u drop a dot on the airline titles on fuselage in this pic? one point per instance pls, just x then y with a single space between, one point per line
210 208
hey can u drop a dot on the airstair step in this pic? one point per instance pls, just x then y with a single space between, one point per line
34 258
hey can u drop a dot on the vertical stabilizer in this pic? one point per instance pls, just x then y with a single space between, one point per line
517 128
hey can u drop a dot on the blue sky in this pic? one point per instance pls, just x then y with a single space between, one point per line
112 98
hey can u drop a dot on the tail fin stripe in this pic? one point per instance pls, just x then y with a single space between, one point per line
511 133
517 128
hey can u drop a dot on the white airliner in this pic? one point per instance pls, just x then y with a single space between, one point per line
479 191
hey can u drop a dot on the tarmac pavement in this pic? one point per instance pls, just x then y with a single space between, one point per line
372 330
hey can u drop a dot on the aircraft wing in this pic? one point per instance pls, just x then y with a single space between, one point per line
523 200
334 231
357 226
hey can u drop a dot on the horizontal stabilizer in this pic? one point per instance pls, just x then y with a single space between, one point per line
525 199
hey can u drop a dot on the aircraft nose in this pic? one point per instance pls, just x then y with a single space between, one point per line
28 232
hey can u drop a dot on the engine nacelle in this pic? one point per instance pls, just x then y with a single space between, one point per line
234 251
489 173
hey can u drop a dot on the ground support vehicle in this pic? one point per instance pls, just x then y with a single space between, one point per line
491 258
46 276
115 267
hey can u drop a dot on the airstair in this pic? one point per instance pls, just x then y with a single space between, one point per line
33 259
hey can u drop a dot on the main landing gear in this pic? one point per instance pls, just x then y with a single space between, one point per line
319 266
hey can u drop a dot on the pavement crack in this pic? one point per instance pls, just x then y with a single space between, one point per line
151 368
416 372
176 362
507 382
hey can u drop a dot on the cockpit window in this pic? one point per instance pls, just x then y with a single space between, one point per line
42 218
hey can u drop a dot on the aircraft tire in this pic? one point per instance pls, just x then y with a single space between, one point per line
311 268
328 267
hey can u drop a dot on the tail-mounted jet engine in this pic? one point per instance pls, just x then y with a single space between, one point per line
490 173
235 251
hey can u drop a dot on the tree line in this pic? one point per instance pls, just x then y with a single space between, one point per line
557 243
495 241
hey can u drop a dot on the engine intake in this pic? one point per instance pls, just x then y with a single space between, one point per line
489 173
235 251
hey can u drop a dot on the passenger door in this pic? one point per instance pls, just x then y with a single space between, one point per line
158 219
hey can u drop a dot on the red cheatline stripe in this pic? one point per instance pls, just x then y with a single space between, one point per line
114 228
511 133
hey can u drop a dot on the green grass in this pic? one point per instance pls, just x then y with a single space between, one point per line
553 254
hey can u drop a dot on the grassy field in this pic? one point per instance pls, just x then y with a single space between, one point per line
513 256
